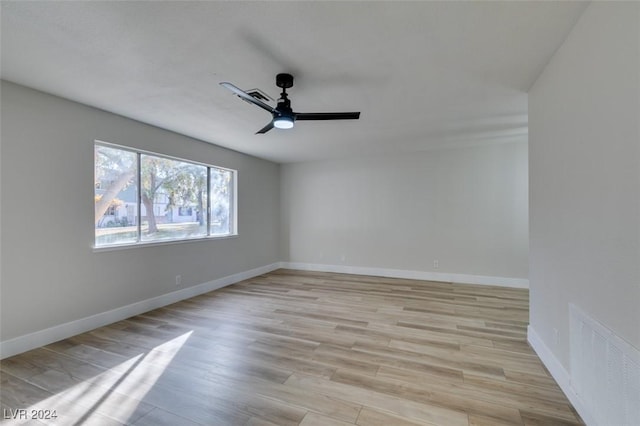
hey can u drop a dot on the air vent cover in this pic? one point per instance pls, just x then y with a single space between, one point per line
259 95
605 371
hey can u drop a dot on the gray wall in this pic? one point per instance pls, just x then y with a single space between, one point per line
50 274
465 207
584 153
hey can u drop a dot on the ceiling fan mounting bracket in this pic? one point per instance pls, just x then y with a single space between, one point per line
284 80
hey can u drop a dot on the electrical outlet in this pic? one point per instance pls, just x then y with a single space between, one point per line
436 264
556 336
178 280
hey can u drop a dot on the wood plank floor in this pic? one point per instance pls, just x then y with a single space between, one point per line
300 348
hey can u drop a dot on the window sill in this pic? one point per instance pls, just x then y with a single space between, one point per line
162 243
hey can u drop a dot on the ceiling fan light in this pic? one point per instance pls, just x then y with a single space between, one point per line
283 122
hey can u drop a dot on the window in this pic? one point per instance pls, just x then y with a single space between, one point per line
142 197
185 211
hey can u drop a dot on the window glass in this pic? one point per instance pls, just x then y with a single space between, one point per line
221 201
173 199
115 196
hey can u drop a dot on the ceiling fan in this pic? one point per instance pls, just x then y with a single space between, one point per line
283 115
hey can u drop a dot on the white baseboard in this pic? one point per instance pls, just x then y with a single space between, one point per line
53 334
414 275
560 375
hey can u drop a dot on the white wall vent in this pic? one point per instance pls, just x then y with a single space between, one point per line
605 371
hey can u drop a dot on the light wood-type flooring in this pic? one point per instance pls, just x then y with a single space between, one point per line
299 348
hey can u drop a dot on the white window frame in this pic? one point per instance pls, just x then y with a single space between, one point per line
233 205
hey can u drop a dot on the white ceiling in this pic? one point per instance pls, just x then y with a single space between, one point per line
424 74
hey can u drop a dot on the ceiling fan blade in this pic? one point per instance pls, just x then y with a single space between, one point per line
327 115
266 128
247 97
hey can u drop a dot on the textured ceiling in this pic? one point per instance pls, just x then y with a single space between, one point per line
424 74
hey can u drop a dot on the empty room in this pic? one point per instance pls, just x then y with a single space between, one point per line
320 213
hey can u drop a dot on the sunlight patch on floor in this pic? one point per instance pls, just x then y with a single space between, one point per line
113 397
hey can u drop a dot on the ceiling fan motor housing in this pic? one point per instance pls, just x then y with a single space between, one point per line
284 110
